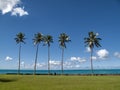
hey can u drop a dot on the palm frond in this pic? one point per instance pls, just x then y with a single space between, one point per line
63 39
47 40
20 37
92 40
37 38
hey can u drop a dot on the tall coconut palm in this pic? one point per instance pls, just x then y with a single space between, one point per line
63 39
38 38
48 39
92 41
20 37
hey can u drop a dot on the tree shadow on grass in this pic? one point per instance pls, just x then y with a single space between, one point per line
4 80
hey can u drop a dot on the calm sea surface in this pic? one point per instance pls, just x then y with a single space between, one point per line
98 71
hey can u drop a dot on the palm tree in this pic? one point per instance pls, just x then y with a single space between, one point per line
38 38
20 37
48 39
92 41
63 39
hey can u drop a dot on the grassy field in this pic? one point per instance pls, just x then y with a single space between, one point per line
38 82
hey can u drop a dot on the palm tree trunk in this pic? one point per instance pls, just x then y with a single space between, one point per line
49 60
36 59
62 60
19 59
91 62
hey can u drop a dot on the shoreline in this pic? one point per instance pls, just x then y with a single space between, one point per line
66 72
63 74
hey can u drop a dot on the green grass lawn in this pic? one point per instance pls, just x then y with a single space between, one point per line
38 82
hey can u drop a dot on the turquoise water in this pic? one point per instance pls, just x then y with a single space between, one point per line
99 71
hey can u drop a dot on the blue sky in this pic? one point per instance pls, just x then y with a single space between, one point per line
74 17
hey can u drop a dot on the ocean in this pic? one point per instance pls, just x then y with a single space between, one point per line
98 71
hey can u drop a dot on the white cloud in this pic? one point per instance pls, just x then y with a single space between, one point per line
94 58
40 65
72 65
23 64
78 59
19 11
8 58
53 62
88 49
117 54
7 5
97 34
102 54
12 6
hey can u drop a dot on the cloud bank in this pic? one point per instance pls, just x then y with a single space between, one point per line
78 59
53 62
13 7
